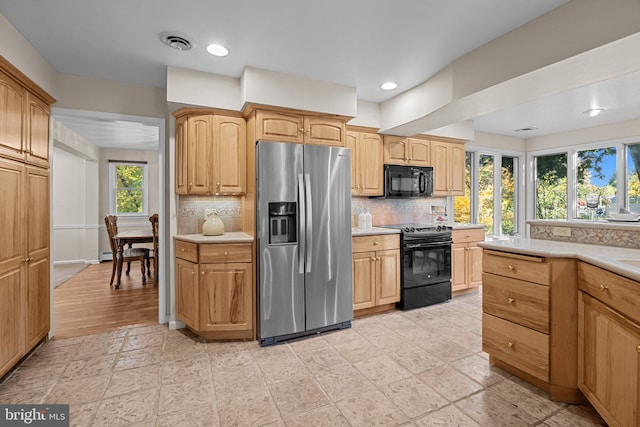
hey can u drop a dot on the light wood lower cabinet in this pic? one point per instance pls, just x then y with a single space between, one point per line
466 259
24 260
376 273
214 296
609 344
530 320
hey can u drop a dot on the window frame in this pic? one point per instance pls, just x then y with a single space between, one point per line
113 164
520 179
572 163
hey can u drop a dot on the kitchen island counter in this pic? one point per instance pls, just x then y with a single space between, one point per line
373 231
622 261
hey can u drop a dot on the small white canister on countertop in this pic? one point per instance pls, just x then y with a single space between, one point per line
213 225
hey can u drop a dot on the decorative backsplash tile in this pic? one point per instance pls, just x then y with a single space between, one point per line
397 211
596 234
190 212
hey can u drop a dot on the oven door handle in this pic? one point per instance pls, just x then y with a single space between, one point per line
426 245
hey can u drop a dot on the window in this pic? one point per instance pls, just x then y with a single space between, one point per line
492 193
462 204
128 188
551 186
596 174
633 178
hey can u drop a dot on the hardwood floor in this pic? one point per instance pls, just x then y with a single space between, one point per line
86 304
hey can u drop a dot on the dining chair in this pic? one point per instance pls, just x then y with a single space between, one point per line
128 254
154 228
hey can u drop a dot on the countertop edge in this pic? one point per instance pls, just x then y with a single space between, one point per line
606 257
229 237
373 231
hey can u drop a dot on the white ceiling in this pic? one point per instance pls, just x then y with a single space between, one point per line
359 43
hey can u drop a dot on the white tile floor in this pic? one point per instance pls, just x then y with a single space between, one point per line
423 367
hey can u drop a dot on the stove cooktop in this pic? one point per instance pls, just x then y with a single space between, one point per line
418 228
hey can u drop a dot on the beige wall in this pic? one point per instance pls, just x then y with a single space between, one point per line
152 159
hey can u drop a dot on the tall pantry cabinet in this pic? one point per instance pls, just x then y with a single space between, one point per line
24 215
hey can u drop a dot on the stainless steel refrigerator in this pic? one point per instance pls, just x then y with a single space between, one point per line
304 239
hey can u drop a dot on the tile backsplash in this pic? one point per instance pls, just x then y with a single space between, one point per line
190 212
397 211
592 234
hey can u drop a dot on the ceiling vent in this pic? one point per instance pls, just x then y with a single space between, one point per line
528 128
176 41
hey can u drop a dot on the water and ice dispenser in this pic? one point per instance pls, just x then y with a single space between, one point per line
282 222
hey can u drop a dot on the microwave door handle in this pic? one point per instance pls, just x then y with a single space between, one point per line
422 185
309 236
301 223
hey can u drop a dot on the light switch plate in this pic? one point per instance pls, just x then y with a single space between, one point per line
562 231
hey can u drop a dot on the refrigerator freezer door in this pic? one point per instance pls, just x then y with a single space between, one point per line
328 284
281 280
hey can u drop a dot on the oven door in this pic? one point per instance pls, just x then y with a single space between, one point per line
426 263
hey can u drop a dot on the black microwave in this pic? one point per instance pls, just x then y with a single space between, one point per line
404 182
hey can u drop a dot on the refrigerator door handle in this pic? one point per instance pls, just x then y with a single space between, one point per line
309 237
301 222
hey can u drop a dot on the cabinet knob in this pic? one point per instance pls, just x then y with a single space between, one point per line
467 235
202 273
181 249
510 344
226 253
301 130
604 288
193 273
376 243
512 268
511 300
638 348
373 259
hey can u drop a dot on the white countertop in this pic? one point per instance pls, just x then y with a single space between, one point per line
372 231
458 226
228 237
608 257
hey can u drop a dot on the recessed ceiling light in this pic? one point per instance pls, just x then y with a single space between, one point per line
592 112
177 41
388 85
217 50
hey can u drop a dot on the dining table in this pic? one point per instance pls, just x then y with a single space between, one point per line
129 237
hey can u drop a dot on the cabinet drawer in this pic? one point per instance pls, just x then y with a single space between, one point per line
521 267
617 292
516 345
187 250
225 252
376 242
468 235
521 302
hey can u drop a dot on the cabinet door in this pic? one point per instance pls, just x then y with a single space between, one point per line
364 280
225 297
12 117
12 224
396 150
324 131
199 164
458 266
370 166
439 159
11 325
279 127
37 213
474 265
230 158
351 142
38 301
419 152
182 155
456 166
609 362
388 276
187 292
37 146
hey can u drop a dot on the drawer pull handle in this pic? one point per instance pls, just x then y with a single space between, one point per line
604 288
638 348
510 344
511 300
512 268
181 249
226 253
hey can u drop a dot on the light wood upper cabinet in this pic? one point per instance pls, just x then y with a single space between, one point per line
299 128
448 159
210 154
399 150
12 117
366 163
229 160
37 144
